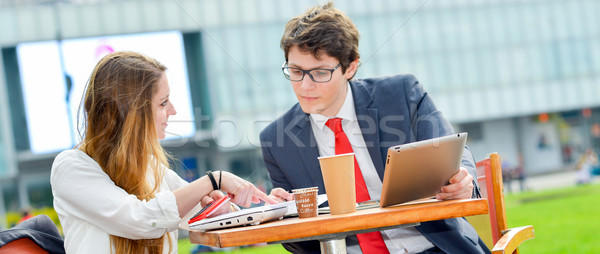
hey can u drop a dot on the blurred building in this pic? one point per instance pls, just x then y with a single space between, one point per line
522 77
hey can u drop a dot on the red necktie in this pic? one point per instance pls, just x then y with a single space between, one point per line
369 242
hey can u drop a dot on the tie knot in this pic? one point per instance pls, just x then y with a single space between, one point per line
335 124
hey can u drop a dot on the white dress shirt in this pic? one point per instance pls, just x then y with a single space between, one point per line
91 207
401 240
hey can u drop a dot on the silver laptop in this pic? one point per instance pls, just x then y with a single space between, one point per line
250 216
420 169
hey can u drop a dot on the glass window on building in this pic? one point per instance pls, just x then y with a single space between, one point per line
241 92
235 51
40 194
4 171
475 130
223 103
10 195
216 58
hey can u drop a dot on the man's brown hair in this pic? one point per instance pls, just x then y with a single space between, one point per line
323 29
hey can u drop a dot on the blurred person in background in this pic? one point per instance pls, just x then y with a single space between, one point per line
513 171
519 173
507 174
585 166
114 192
25 214
321 53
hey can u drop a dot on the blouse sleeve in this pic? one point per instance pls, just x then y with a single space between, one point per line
82 190
174 180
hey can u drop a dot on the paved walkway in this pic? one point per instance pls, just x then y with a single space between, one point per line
549 181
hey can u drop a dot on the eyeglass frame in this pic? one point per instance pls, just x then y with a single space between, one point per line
305 72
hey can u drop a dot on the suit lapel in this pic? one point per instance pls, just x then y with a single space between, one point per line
368 121
307 149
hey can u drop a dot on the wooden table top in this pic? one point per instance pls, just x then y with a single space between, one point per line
326 224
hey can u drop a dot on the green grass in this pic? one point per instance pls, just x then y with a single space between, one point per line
565 220
186 247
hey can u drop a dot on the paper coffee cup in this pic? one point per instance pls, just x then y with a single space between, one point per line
306 201
338 176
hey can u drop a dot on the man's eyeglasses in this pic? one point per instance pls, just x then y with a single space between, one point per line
317 75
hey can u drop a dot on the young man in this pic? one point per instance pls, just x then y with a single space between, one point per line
321 51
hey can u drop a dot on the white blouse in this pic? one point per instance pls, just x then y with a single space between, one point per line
91 207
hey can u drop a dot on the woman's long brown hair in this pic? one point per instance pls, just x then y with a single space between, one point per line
120 133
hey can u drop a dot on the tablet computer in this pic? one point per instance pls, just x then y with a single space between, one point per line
419 170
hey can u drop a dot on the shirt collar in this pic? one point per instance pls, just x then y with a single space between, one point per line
346 112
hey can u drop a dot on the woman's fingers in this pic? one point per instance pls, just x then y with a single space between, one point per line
243 192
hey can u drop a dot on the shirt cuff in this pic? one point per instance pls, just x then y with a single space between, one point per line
168 205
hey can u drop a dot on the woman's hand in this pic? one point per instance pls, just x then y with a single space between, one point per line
212 197
241 191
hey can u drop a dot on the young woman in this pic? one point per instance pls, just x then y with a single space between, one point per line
114 193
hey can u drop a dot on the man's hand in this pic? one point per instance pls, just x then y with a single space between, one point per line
460 187
280 195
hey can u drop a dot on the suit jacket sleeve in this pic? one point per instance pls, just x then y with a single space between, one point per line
428 122
275 173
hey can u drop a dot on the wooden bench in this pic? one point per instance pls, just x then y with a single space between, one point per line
492 227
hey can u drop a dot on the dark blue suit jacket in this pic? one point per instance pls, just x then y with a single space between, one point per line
390 110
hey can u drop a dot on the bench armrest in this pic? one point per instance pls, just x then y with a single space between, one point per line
512 238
